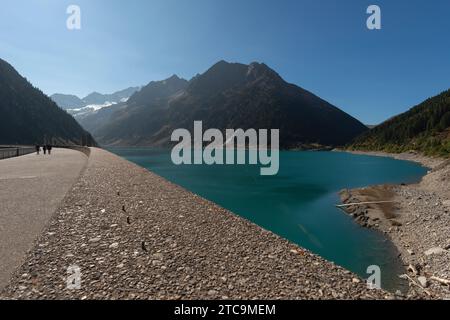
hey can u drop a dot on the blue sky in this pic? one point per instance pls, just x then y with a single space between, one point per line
320 45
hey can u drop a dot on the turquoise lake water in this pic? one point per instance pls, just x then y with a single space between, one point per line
298 203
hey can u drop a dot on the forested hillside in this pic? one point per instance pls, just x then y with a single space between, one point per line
424 128
28 116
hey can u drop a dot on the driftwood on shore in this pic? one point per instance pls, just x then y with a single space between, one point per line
440 280
411 280
365 202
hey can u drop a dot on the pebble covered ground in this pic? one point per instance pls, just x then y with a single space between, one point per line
136 236
420 228
424 239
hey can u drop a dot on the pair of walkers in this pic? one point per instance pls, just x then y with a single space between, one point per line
46 148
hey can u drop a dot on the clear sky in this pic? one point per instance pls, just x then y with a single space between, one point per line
321 45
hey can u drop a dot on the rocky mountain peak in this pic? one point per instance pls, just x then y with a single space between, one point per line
261 70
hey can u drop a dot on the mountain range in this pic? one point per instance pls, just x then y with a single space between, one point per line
69 101
228 95
29 117
92 103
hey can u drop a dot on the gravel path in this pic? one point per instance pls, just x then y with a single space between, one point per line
32 187
136 236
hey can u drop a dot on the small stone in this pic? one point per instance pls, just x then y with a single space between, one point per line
103 211
356 280
96 239
423 281
156 262
410 252
435 250
114 245
212 292
412 269
158 256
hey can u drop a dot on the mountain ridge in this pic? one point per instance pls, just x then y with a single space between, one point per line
231 95
70 101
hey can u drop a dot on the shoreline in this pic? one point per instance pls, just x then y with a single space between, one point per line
417 222
425 161
134 235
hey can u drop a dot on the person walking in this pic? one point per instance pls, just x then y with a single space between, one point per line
44 148
49 149
38 149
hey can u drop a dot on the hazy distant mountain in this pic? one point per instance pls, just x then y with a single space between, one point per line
92 103
92 120
154 93
28 116
228 95
67 101
116 97
425 128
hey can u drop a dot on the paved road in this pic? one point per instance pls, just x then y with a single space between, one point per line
31 189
